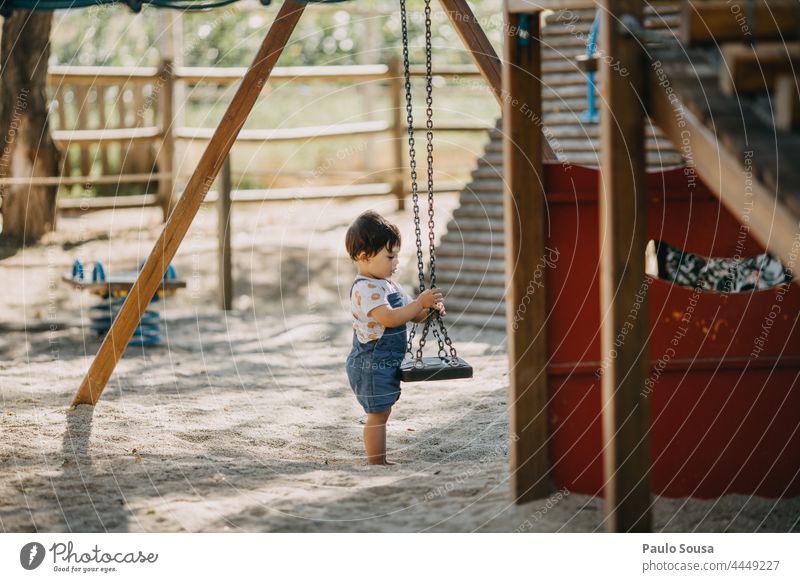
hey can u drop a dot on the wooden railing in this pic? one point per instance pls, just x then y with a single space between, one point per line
124 119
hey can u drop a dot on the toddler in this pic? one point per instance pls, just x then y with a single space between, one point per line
380 310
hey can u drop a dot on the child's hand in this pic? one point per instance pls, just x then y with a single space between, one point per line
440 308
430 298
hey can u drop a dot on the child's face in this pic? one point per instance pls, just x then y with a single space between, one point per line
384 264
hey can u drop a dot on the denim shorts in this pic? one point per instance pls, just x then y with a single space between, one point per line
373 368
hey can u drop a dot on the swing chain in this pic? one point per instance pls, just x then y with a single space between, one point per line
412 162
434 319
411 145
429 125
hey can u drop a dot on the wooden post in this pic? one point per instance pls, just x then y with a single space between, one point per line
786 99
180 219
524 212
224 234
623 238
482 52
398 131
166 153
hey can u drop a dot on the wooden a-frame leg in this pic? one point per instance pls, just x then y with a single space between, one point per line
525 228
177 225
623 238
483 53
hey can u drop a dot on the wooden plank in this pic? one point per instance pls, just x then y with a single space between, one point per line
524 212
399 129
166 153
717 21
786 103
528 6
84 205
120 135
623 239
177 225
359 73
141 159
82 109
100 91
86 181
66 164
58 75
482 52
342 191
290 133
224 237
755 68
771 222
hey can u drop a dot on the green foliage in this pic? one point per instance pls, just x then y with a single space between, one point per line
360 31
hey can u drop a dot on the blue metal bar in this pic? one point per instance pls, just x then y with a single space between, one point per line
591 115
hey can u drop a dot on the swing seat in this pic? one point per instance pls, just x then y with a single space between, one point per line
435 368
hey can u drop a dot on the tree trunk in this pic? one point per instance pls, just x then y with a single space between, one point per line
27 149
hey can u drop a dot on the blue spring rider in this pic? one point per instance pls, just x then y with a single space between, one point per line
113 291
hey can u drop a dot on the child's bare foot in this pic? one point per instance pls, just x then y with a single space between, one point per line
382 462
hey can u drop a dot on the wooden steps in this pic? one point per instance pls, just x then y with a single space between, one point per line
470 266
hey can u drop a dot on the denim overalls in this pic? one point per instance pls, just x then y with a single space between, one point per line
373 368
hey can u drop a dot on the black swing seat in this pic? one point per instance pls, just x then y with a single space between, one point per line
434 368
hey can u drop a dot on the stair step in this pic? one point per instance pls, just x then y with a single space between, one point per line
565 26
572 78
482 292
476 306
461 264
475 211
462 237
467 279
472 251
488 172
492 185
473 225
573 14
493 322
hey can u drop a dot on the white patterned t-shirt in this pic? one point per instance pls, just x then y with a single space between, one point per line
368 294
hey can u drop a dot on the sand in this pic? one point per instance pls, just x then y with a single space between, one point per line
243 421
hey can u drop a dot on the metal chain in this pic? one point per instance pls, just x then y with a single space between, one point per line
412 162
429 124
434 320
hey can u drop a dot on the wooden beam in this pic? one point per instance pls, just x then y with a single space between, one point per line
770 222
786 103
529 6
718 21
623 239
166 153
224 236
177 225
525 211
68 137
482 52
755 68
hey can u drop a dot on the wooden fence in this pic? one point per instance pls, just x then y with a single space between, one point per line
124 125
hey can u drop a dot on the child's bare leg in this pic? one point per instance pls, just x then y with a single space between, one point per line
375 437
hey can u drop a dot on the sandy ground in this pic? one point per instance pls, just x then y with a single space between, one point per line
243 421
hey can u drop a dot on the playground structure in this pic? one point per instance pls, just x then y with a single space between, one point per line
112 290
623 437
626 415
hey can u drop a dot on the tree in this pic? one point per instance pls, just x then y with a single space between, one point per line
26 146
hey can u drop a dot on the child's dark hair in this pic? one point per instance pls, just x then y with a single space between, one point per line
370 233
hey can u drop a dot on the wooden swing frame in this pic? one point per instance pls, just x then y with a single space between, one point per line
211 162
527 481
